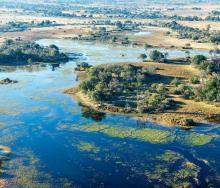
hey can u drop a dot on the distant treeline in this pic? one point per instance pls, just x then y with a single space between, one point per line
58 9
14 26
200 35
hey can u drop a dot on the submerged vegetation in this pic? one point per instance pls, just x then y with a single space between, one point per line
113 136
151 135
19 51
185 174
88 147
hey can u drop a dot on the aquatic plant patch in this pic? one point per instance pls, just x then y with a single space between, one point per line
155 136
172 170
87 146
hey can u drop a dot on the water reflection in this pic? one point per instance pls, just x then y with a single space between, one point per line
91 113
56 142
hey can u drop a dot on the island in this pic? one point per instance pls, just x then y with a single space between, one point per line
171 93
8 81
20 52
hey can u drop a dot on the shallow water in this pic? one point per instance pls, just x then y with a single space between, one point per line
143 33
57 143
99 53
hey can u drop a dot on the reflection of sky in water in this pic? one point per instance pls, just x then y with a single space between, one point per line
34 108
106 53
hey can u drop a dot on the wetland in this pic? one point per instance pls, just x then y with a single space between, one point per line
49 139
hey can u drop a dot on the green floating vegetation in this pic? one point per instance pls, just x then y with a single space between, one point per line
87 146
93 127
118 132
151 135
24 171
197 139
185 173
146 134
154 135
169 156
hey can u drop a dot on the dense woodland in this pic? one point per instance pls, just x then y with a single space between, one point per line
19 51
126 86
14 26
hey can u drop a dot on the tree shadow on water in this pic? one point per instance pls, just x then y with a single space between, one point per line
90 113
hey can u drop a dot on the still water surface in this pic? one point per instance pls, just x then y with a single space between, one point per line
55 142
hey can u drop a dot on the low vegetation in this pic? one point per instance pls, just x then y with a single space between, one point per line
82 66
196 34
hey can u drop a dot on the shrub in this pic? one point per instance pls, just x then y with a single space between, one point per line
175 82
194 80
198 59
184 90
82 66
156 55
210 90
143 57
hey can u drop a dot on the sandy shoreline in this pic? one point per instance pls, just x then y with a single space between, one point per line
199 112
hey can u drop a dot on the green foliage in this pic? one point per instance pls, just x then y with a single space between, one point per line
185 91
143 57
28 52
82 66
198 59
209 66
210 90
215 38
119 25
125 86
193 33
156 55
114 39
175 82
153 102
194 80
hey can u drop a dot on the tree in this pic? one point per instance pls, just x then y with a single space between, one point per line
82 66
166 54
143 57
8 42
198 59
156 55
114 39
146 46
119 25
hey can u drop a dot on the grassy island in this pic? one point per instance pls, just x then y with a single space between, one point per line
171 93
19 51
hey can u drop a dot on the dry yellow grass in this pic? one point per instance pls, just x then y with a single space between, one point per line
172 70
215 26
60 32
159 38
